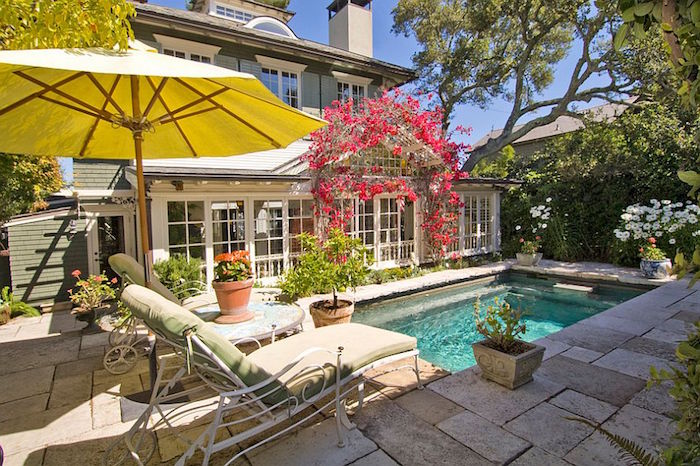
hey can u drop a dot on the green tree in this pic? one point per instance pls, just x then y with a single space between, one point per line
592 174
472 52
26 181
40 24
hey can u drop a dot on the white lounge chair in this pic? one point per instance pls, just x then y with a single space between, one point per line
256 392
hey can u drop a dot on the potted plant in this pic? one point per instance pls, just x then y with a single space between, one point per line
529 254
233 284
89 295
502 357
334 265
654 263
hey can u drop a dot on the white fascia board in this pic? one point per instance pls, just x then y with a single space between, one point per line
351 78
185 45
276 63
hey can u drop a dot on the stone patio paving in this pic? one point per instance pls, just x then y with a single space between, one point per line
58 406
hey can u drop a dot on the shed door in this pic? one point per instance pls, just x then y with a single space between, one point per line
108 233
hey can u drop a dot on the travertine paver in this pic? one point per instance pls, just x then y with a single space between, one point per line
316 445
71 390
591 337
656 348
688 316
665 336
410 440
657 399
546 426
538 457
639 425
20 355
376 458
631 363
551 347
675 326
429 406
484 437
25 383
491 401
581 354
598 382
633 326
23 406
584 406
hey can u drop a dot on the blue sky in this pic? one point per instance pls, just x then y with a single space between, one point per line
311 22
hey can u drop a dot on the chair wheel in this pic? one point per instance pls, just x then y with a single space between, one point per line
120 359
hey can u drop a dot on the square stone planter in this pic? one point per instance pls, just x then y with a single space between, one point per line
528 260
511 371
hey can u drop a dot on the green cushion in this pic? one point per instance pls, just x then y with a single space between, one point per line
171 320
361 344
127 268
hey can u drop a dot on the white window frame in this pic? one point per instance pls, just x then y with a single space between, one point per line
492 223
214 11
283 66
187 47
353 80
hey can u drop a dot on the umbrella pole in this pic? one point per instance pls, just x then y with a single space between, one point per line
143 218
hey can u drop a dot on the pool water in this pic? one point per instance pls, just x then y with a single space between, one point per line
442 320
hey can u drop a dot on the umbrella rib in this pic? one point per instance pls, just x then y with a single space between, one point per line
190 105
64 95
108 98
40 93
230 113
154 97
177 125
73 107
171 119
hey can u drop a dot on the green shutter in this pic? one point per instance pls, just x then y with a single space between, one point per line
251 67
329 91
311 92
373 91
226 62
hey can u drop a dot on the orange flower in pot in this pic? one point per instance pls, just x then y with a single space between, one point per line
233 283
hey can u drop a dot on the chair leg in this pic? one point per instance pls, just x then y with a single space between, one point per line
339 424
360 395
417 371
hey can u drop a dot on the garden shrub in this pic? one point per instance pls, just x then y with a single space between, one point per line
593 174
180 275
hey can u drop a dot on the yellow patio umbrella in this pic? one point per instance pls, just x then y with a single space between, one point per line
103 104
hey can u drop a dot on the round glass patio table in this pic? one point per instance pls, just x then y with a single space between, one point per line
282 316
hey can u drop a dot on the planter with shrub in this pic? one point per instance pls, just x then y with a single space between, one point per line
654 263
502 357
90 295
233 284
529 255
11 307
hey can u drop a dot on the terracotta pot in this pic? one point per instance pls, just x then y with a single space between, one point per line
528 259
508 370
233 298
324 314
4 314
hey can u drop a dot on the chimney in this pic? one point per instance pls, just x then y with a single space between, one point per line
350 26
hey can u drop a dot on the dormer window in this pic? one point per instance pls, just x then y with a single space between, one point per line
187 55
187 49
271 26
234 13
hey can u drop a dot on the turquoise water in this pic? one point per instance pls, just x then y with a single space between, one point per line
442 319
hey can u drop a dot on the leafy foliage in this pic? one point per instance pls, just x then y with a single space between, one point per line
500 324
232 267
346 163
650 252
686 393
14 307
180 275
473 52
92 292
40 24
593 174
26 181
333 265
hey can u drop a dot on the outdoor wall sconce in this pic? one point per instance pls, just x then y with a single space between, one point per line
72 228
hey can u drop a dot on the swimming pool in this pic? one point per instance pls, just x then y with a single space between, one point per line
442 319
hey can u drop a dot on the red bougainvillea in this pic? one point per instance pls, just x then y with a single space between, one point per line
387 145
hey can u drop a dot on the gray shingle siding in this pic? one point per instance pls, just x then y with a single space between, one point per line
42 256
311 90
226 62
100 174
329 91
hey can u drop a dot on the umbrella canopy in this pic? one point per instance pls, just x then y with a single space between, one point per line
104 104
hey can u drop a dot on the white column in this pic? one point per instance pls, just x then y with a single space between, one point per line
208 243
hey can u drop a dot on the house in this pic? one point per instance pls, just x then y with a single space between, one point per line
259 201
535 140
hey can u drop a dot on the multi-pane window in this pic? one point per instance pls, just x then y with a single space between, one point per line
388 228
300 218
351 91
234 13
228 226
485 222
478 222
283 84
186 229
379 157
187 55
364 221
269 239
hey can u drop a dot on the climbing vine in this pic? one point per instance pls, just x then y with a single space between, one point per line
387 145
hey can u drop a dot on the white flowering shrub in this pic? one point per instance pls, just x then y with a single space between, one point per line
674 225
